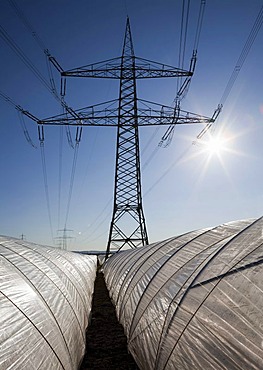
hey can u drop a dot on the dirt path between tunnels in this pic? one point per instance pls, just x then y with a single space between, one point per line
106 342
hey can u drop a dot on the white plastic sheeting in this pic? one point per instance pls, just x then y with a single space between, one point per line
194 301
45 301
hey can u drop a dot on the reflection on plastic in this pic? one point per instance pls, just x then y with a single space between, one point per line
45 301
194 301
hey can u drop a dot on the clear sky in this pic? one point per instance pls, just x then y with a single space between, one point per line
184 187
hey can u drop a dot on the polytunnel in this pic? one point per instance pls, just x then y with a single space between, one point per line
45 302
193 301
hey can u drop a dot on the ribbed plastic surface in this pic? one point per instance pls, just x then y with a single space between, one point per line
45 301
194 301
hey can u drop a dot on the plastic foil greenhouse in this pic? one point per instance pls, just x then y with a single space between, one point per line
194 301
45 302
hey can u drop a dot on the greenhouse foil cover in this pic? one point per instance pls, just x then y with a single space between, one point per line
193 301
45 302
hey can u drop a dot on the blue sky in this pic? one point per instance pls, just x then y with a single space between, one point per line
184 187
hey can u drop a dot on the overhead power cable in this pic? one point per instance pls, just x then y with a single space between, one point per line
239 64
21 117
98 236
51 80
182 88
50 85
199 24
38 40
24 128
72 180
43 160
106 216
183 37
241 60
150 158
27 24
60 172
8 99
11 43
244 53
44 168
165 173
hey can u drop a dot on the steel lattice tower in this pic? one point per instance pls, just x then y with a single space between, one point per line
128 227
127 194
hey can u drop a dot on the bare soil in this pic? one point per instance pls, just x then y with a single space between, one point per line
106 342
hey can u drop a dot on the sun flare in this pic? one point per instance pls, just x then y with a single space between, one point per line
214 145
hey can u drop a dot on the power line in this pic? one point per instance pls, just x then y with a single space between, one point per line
182 88
52 88
74 164
244 53
239 64
39 42
153 154
97 227
241 60
95 221
43 160
183 36
60 172
19 52
25 130
21 117
199 24
49 58
27 24
150 158
26 133
165 173
44 169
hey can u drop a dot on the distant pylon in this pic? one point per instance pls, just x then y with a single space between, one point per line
63 240
22 237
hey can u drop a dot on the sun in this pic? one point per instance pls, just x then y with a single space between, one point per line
214 145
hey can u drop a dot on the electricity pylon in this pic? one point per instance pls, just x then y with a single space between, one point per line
127 113
63 239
